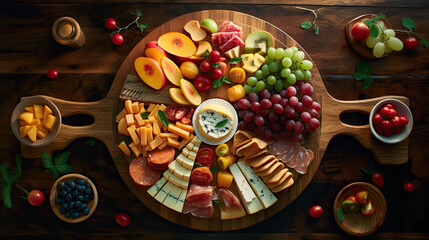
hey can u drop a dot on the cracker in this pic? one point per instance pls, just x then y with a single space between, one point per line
240 138
259 161
285 176
251 148
289 182
265 166
271 169
277 176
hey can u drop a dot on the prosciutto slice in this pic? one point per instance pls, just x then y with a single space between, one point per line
229 199
228 26
232 42
199 201
292 154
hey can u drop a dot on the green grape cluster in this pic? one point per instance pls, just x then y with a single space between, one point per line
282 68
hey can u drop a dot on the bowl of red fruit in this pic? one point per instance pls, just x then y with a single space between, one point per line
391 121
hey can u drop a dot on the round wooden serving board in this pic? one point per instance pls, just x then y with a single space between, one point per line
104 127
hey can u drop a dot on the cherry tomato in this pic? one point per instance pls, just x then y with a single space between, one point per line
367 209
389 106
216 73
411 43
223 69
205 157
360 31
117 39
377 119
214 56
201 176
52 73
36 197
404 121
180 113
123 219
189 115
315 211
409 187
377 179
110 23
203 82
205 66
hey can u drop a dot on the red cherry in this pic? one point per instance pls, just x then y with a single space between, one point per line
110 23
388 133
52 73
386 125
409 187
396 121
315 211
398 130
404 121
384 111
123 219
117 39
36 197
214 56
391 113
389 106
377 179
377 119
378 129
411 43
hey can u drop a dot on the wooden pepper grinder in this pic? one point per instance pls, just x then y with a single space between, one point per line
66 31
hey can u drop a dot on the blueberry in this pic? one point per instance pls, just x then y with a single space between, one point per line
67 188
88 191
67 215
62 193
71 184
81 182
63 200
65 205
74 193
83 206
79 188
60 186
72 210
68 197
72 204
85 211
75 215
78 203
79 198
91 196
58 200
62 210
87 185
86 197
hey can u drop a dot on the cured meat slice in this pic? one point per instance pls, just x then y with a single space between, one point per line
228 26
285 157
233 42
229 199
199 201
142 174
221 38
303 166
297 158
280 147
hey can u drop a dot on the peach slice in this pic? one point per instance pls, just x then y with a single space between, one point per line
177 44
195 59
177 96
152 50
171 71
150 72
203 46
194 29
191 94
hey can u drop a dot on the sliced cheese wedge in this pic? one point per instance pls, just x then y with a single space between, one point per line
185 162
248 197
172 197
156 187
263 193
165 190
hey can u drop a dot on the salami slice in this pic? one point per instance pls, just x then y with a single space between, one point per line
160 159
302 164
180 113
142 174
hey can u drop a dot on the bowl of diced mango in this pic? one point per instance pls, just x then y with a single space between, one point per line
36 121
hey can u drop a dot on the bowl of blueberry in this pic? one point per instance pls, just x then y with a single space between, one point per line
73 198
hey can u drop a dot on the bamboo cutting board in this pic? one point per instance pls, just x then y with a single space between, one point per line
104 126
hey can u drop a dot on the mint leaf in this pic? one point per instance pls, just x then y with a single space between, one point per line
217 202
197 164
119 157
221 123
358 76
367 81
90 142
306 25
424 43
373 30
409 23
145 115
163 117
316 30
61 158
213 169
365 171
235 60
382 15
217 82
363 67
340 215
367 22
227 81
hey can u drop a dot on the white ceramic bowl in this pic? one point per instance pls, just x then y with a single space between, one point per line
20 108
401 110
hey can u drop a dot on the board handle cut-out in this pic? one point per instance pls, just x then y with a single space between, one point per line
333 126
101 128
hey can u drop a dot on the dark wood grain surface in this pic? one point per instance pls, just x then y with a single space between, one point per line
27 51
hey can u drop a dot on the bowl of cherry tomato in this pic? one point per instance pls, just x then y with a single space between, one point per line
391 121
73 198
360 209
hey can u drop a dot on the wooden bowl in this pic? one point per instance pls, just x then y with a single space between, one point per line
358 224
360 46
92 204
20 108
401 110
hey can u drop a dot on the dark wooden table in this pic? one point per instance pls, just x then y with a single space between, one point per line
27 51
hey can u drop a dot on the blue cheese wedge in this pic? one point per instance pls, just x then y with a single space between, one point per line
156 187
263 193
163 192
251 202
172 197
180 201
212 115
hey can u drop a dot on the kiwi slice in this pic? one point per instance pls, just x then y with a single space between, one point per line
258 42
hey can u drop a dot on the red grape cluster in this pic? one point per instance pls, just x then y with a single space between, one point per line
387 122
291 112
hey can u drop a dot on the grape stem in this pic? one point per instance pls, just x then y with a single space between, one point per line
24 190
126 27
408 32
310 10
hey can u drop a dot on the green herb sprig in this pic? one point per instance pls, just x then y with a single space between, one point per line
140 25
59 165
410 25
163 117
362 73
235 60
307 24
374 31
218 82
221 123
8 178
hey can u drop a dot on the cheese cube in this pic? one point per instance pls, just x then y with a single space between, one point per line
135 107
163 192
129 107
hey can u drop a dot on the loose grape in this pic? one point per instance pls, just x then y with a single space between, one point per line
269 59
291 79
285 72
249 117
389 33
300 107
278 86
313 113
295 49
289 112
273 66
315 106
290 91
287 62
247 89
253 97
259 75
306 64
275 98
288 53
299 75
251 81
290 124
284 102
395 44
260 86
378 50
298 56
307 75
370 41
265 70
242 125
279 53
259 120
299 127
265 103
271 52
271 80
283 93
